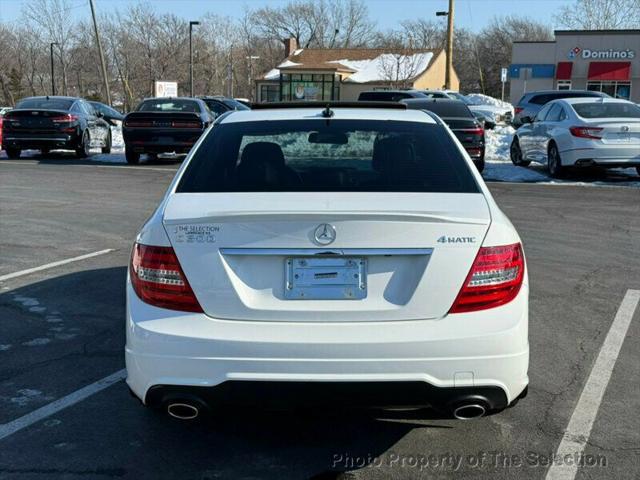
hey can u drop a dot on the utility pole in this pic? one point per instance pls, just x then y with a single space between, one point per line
191 24
250 76
101 53
53 79
449 68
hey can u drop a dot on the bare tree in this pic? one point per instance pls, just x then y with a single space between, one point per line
600 14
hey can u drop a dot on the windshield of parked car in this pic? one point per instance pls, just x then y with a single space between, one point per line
327 156
168 105
607 110
45 104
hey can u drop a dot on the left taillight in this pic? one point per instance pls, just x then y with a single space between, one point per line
158 279
68 118
495 278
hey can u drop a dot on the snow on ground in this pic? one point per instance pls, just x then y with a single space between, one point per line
481 99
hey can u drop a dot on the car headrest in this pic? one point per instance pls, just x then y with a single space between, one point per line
261 164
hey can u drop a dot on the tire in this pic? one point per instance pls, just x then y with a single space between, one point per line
82 150
516 154
554 164
638 170
479 164
45 151
13 153
133 158
107 147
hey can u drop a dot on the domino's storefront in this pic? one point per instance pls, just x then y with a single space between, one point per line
600 60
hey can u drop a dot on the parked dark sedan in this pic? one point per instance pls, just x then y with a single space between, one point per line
110 114
49 123
219 104
460 120
390 95
164 125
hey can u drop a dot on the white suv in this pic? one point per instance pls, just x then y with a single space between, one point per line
328 255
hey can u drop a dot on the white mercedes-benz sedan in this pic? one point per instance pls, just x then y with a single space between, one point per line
343 255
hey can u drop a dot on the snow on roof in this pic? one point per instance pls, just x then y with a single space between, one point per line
274 73
387 66
367 65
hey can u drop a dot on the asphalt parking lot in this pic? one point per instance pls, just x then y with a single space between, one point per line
63 330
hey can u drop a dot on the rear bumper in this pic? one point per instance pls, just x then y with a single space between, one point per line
161 141
25 141
610 156
473 351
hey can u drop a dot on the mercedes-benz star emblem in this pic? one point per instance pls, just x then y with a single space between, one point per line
324 234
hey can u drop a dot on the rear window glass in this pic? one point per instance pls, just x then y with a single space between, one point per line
236 105
327 156
386 96
43 103
543 99
168 105
605 110
450 109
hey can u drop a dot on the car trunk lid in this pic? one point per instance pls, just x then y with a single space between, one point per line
241 251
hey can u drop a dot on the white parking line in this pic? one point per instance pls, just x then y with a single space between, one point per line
60 404
97 165
577 434
28 271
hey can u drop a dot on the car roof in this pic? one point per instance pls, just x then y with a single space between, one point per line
546 92
382 114
55 97
172 98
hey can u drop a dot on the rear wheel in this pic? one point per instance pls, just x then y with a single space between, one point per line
13 153
82 150
479 164
132 157
107 145
554 164
516 154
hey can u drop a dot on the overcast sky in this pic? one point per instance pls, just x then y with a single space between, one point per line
473 14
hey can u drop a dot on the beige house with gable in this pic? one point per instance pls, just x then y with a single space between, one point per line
342 73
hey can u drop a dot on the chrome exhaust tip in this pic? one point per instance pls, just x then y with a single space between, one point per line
183 411
469 411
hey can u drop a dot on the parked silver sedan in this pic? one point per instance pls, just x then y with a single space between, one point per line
601 132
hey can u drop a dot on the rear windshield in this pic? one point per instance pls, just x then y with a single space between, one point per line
446 109
168 105
236 105
46 104
607 110
547 97
327 156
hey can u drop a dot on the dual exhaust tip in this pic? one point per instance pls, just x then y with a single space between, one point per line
188 411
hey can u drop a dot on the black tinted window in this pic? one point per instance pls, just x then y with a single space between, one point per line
316 155
444 109
607 110
168 105
540 99
383 96
43 103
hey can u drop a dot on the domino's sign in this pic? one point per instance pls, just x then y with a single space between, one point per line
587 53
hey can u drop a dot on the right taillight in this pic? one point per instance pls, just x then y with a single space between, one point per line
495 278
586 132
158 279
517 110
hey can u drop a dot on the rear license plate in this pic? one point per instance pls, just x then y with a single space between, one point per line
325 278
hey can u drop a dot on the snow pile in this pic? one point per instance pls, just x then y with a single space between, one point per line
387 66
497 143
481 99
117 142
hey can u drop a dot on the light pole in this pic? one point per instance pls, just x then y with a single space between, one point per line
53 80
449 14
251 58
191 24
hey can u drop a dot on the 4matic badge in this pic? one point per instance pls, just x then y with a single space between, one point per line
445 239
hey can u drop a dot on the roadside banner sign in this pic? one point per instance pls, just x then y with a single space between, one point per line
503 75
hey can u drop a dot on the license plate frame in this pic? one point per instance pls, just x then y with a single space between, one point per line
325 278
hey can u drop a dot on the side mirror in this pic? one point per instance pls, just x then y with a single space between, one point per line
526 119
99 114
